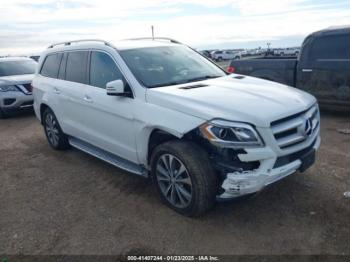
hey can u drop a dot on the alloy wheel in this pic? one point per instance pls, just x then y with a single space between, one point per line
174 180
51 128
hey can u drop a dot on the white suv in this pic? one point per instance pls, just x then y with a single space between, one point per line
159 109
225 55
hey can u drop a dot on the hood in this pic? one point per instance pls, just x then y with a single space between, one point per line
16 80
235 98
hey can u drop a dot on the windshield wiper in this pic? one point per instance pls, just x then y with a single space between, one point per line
167 84
185 81
201 78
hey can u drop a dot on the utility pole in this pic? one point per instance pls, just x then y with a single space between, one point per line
152 27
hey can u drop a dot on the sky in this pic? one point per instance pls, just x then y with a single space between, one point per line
30 26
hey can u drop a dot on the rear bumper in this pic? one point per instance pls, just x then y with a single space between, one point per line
15 101
242 183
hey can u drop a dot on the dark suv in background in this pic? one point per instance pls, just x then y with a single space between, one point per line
323 67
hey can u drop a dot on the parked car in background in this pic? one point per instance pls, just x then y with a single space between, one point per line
287 51
160 109
16 74
244 52
220 55
205 53
323 67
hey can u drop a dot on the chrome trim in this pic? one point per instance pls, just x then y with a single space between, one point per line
302 127
83 40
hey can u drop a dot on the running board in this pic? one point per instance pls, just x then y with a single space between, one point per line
108 157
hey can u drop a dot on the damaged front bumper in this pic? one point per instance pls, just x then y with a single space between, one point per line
247 182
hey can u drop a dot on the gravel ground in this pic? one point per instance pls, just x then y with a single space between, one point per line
71 203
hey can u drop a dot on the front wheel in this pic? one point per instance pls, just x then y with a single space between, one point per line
184 178
54 134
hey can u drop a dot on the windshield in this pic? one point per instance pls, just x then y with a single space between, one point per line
11 68
169 65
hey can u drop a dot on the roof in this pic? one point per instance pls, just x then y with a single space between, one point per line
132 44
119 45
333 30
14 58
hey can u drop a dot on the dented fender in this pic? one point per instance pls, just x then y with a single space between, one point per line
153 117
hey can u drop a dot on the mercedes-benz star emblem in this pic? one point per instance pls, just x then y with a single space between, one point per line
308 127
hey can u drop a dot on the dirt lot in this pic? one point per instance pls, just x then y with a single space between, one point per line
70 203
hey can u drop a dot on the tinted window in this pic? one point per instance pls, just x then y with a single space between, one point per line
51 65
103 70
331 47
76 66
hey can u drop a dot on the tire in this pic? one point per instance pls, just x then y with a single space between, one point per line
191 192
54 134
219 59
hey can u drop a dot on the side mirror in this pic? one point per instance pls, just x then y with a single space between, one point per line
115 88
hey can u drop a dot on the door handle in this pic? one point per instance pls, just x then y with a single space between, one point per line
306 70
56 91
87 99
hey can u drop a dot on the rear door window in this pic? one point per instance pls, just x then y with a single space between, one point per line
51 65
336 47
76 67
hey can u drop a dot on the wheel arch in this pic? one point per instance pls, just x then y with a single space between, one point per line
43 107
159 136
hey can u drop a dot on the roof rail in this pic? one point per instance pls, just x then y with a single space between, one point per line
83 40
157 38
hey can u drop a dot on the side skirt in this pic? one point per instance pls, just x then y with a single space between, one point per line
108 157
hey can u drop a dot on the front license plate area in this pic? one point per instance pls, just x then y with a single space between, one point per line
307 160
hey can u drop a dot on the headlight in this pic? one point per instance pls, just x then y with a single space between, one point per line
8 89
230 134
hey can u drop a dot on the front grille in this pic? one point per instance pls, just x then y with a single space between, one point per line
284 160
297 128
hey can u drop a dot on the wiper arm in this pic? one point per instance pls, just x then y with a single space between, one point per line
201 78
185 81
167 84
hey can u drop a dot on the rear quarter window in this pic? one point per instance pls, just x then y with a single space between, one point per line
332 47
51 65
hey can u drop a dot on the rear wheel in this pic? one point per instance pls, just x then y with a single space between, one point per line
55 136
184 177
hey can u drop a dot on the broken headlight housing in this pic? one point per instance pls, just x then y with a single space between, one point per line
224 133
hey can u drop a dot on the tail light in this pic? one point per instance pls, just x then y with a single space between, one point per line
231 69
